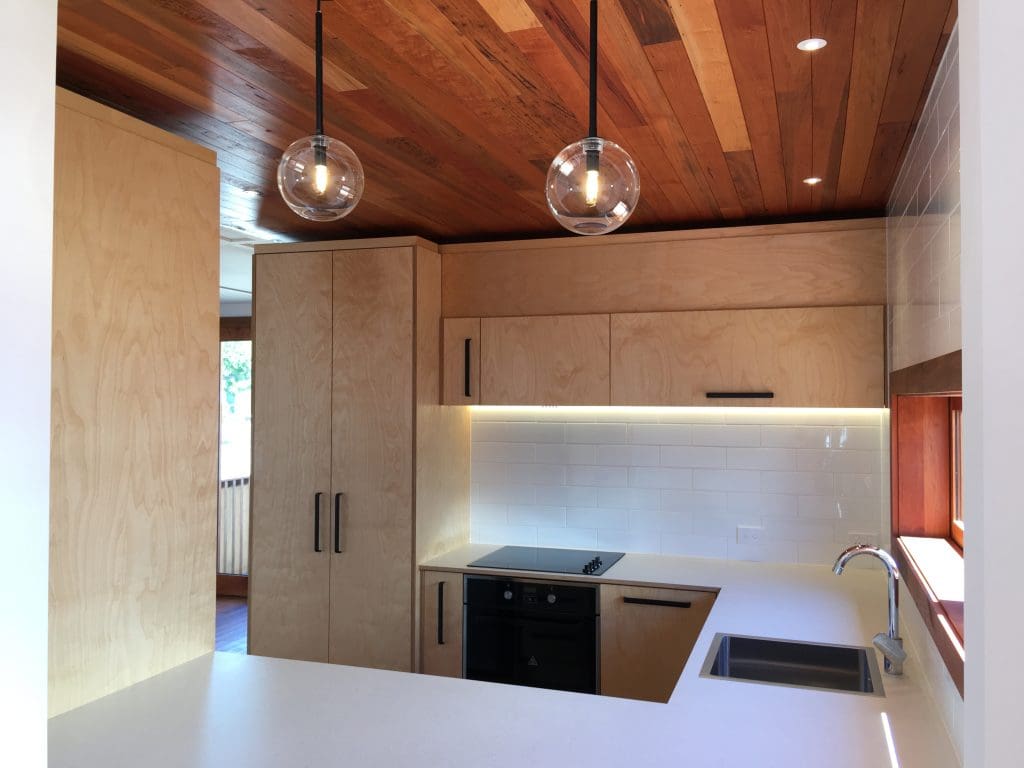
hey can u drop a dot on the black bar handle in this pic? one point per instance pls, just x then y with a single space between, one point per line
440 613
316 522
467 351
739 395
337 523
649 601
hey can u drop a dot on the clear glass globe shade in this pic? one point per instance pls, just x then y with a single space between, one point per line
592 186
320 178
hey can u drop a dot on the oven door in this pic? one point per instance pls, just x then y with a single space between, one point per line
537 648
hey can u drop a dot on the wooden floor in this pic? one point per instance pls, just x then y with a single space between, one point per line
232 624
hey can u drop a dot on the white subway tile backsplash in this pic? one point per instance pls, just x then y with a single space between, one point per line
660 434
726 480
761 458
595 433
569 538
565 454
727 434
537 515
566 496
681 481
695 502
666 521
628 455
660 477
536 474
697 457
797 482
594 517
598 476
629 498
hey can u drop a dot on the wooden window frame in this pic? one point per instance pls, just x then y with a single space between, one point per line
956 491
922 399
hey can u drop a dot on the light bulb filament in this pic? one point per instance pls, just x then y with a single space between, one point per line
320 178
592 187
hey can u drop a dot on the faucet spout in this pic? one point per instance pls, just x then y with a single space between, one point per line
890 644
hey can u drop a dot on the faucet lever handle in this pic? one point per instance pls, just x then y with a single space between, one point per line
891 647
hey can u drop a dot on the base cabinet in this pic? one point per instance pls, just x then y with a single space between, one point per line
441 624
647 634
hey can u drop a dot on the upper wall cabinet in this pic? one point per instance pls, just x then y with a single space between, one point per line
816 357
560 360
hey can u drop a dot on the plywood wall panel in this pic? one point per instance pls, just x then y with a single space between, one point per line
134 416
827 264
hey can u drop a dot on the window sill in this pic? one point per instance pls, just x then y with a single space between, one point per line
933 572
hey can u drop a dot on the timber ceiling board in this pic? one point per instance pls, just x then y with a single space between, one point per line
456 107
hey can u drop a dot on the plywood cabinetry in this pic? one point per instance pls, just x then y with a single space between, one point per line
133 494
818 356
347 340
561 360
289 588
441 624
647 634
461 353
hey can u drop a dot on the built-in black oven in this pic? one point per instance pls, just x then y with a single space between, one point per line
532 633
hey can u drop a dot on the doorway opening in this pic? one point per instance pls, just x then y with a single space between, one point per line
235 468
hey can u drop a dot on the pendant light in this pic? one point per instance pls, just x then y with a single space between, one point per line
592 184
320 178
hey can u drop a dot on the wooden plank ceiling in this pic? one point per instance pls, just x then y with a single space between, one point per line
456 107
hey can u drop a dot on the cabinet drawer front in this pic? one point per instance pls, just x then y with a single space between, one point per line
647 634
559 360
809 357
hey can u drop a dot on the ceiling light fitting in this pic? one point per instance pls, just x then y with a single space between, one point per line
592 185
812 44
320 178
812 180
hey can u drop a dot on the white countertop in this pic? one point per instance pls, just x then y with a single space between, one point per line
228 709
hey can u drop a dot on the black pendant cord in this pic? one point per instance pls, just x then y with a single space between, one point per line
319 70
593 68
320 149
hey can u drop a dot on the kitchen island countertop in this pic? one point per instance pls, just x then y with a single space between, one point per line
226 709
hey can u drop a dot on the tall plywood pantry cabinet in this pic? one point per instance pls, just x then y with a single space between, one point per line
358 473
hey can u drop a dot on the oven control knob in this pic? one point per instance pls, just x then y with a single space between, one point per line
508 594
552 598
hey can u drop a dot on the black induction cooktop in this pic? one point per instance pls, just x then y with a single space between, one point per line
583 561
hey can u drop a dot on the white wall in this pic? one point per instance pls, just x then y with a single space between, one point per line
683 481
27 73
992 166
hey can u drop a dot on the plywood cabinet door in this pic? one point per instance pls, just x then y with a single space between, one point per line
461 369
441 624
812 357
372 459
647 634
291 458
559 360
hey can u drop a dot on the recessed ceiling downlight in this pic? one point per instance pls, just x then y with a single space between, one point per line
812 44
812 180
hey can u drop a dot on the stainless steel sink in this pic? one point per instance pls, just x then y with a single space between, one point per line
847 668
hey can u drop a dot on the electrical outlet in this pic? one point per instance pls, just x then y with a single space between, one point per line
749 534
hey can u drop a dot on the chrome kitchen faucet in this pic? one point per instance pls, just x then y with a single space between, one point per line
890 644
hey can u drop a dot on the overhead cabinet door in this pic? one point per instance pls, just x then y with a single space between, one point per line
819 356
291 459
559 360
